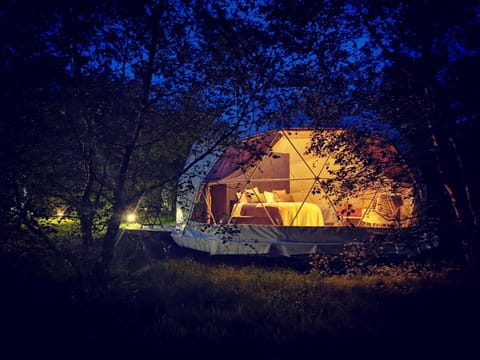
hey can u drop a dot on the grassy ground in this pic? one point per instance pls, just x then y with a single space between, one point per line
184 304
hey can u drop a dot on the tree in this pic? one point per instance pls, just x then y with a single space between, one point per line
330 65
131 85
101 116
103 101
427 97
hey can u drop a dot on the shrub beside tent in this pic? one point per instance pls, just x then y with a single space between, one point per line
300 191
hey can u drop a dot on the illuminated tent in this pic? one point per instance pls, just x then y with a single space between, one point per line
297 192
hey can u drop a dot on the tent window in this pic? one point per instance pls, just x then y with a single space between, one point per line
276 181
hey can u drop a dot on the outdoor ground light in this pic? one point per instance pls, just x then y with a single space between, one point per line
131 217
59 212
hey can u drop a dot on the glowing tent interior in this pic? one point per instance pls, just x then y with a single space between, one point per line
276 194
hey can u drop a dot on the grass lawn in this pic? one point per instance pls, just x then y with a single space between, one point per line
184 306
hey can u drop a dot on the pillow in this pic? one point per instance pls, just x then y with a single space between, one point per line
298 196
261 197
269 197
281 195
251 196
286 198
280 192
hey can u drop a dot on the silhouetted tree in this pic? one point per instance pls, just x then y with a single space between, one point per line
430 49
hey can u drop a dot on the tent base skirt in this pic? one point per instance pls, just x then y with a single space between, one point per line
278 241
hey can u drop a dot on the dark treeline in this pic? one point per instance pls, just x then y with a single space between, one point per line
102 101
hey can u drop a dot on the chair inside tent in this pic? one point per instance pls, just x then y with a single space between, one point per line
271 185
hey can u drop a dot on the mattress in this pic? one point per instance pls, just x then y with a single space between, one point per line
281 213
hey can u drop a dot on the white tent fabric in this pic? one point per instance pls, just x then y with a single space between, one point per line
272 196
289 241
189 185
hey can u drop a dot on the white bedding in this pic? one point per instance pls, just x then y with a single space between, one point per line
281 213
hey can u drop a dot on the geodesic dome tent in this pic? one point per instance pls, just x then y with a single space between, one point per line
297 192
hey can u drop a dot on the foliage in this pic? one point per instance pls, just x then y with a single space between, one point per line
101 102
214 305
425 96
358 262
129 89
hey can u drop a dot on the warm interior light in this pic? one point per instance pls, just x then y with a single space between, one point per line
60 212
131 217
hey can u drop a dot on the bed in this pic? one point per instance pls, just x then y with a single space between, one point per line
280 213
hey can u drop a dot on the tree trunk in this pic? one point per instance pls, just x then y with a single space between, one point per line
113 225
108 245
86 229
